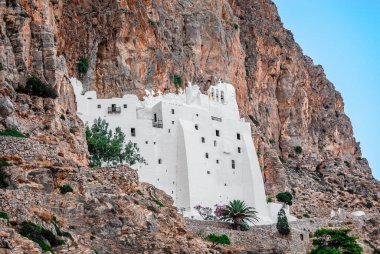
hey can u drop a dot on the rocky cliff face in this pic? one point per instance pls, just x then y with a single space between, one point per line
137 44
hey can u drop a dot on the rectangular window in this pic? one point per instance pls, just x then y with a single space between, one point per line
239 150
133 132
214 142
159 161
173 111
125 105
217 133
233 164
206 155
196 126
238 136
99 106
203 140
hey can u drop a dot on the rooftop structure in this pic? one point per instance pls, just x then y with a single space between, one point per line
197 148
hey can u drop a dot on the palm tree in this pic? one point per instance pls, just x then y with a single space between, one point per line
238 213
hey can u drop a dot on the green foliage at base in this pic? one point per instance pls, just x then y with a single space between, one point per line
66 188
40 235
35 87
12 133
4 163
298 149
83 65
282 223
3 183
285 197
178 82
236 26
106 146
334 241
218 239
269 199
4 215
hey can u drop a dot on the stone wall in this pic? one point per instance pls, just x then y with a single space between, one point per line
263 238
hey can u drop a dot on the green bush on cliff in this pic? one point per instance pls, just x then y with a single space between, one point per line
298 149
12 133
40 235
218 239
35 87
4 215
107 147
83 65
178 82
66 188
285 197
334 241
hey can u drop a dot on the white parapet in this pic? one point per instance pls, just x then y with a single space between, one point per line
197 148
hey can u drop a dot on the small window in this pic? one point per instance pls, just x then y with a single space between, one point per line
154 143
225 184
239 150
133 132
217 132
203 140
222 96
99 106
159 161
172 111
169 130
125 106
233 164
238 136
208 172
197 114
146 142
206 155
196 126
172 122
158 179
214 142
217 161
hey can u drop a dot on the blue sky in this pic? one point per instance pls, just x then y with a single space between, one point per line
344 37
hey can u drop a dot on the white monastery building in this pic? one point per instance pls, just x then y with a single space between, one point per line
196 146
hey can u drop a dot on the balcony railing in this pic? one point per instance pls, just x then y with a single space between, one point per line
157 124
219 119
114 110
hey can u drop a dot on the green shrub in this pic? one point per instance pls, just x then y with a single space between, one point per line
152 22
269 199
238 212
4 163
178 82
39 235
1 67
258 154
158 202
218 239
83 65
298 149
140 192
66 188
271 141
12 133
282 223
306 215
4 215
152 208
59 231
285 197
236 26
278 41
3 183
35 87
368 205
244 226
334 241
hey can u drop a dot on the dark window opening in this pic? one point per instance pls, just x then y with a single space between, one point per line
217 161
146 142
203 140
238 136
159 161
155 117
169 130
208 172
196 126
197 114
125 106
133 132
206 155
217 132
172 122
239 150
233 164
99 106
173 111
214 142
